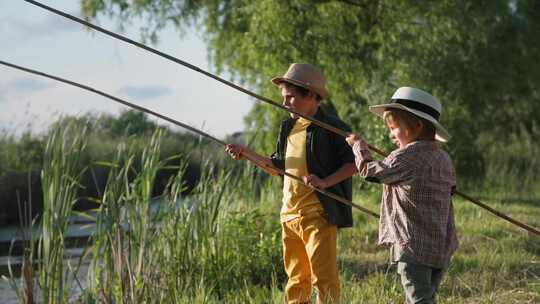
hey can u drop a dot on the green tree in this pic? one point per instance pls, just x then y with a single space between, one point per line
129 122
480 58
19 154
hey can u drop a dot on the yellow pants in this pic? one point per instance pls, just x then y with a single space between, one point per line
309 255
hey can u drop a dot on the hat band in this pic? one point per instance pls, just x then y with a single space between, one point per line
418 106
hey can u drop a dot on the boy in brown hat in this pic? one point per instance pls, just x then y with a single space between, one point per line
323 159
417 218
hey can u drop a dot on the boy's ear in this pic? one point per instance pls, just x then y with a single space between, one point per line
420 126
313 95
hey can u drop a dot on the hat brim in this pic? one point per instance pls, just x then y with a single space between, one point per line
321 91
440 132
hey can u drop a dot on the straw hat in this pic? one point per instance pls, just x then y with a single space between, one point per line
419 103
306 76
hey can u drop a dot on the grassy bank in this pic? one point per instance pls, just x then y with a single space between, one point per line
221 244
495 263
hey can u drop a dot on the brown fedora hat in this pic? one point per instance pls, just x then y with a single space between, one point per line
306 76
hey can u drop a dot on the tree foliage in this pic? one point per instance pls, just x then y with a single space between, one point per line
480 58
129 122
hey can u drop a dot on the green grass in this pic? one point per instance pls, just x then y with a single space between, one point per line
495 263
222 244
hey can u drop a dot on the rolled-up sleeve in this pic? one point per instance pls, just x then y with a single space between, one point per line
391 170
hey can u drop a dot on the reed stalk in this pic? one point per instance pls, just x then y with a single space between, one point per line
60 182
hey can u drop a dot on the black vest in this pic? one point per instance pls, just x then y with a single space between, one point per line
326 152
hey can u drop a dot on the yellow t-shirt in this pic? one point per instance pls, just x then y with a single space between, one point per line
298 199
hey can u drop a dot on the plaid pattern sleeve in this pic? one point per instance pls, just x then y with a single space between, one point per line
391 170
416 207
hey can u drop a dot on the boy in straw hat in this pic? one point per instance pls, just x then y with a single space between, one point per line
322 159
417 218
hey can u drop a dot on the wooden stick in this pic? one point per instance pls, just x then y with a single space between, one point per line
197 131
257 96
498 213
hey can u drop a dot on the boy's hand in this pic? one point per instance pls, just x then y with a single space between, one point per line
352 139
314 181
235 151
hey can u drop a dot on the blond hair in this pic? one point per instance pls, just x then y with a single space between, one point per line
410 122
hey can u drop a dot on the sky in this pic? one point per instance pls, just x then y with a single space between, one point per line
35 38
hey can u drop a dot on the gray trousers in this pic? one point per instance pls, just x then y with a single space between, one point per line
420 282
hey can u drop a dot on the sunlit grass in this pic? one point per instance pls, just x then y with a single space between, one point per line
222 243
496 262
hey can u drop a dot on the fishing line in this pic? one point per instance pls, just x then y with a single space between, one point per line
195 68
197 131
259 97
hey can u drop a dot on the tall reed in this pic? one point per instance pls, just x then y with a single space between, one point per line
122 262
221 243
170 249
60 181
24 286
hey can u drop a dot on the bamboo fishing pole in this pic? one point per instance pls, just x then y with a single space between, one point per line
194 68
261 98
190 128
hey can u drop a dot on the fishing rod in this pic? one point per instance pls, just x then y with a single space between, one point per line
194 130
490 209
259 97
196 69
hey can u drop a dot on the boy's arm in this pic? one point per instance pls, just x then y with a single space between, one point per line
362 156
239 152
346 171
342 152
391 170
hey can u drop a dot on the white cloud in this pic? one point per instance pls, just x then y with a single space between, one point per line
145 92
23 86
37 39
29 29
28 84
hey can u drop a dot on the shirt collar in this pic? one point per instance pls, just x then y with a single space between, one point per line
422 144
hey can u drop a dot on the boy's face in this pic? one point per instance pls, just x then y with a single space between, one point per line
400 135
292 99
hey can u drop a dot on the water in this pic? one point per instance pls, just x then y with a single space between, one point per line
80 229
9 296
76 234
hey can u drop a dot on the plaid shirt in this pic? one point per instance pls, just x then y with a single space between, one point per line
416 208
